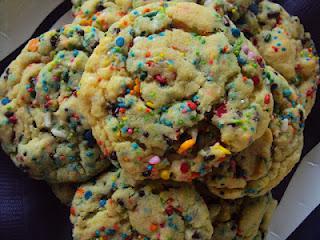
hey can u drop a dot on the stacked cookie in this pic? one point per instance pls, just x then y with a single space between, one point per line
188 118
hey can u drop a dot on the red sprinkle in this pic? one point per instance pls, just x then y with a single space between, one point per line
192 105
256 80
169 210
160 79
222 109
13 120
73 211
310 92
267 99
184 167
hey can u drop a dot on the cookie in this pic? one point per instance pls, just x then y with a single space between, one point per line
243 219
115 207
283 43
173 90
265 163
40 125
103 13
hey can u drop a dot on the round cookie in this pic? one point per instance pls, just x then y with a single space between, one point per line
40 125
173 90
242 219
283 43
103 13
115 207
286 47
264 164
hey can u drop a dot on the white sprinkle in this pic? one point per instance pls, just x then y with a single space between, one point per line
47 120
242 101
284 125
207 2
58 133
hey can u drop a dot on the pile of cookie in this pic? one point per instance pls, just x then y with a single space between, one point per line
163 119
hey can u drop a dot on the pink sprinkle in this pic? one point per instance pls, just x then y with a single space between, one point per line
130 130
154 160
251 55
245 48
161 79
184 110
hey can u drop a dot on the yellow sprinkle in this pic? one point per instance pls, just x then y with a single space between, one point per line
150 104
140 108
113 178
118 134
234 10
124 118
165 175
218 147
161 55
186 145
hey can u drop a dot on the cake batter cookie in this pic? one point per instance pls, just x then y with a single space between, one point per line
103 13
115 207
40 126
281 40
243 219
265 163
173 90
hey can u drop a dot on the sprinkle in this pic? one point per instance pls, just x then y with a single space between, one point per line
150 104
186 145
5 101
267 99
154 160
88 195
135 146
153 227
160 79
165 174
120 41
110 231
287 92
58 133
235 32
102 202
72 211
222 109
47 120
192 105
219 148
130 131
256 80
184 167
284 125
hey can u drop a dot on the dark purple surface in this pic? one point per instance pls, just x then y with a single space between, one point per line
29 210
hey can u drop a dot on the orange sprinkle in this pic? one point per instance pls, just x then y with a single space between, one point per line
33 45
148 54
146 10
153 227
80 191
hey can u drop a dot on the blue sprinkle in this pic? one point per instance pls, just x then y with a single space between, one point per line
102 202
5 101
88 195
188 218
135 12
149 167
162 34
286 92
134 145
254 8
242 61
75 52
97 233
235 32
110 231
120 41
114 185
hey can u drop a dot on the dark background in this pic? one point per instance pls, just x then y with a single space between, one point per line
29 210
